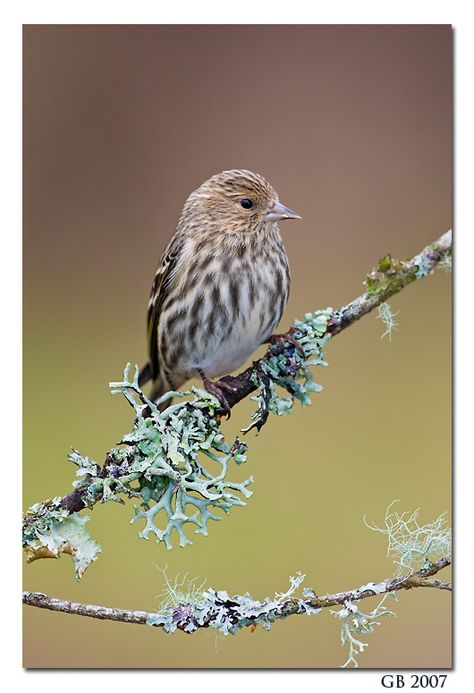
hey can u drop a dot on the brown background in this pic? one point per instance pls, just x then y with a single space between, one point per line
352 125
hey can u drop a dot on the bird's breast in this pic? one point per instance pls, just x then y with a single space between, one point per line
223 312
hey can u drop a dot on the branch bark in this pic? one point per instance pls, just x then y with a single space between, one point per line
287 608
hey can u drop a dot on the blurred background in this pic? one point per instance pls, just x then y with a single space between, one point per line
352 125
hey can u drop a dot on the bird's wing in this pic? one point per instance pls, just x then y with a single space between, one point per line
159 291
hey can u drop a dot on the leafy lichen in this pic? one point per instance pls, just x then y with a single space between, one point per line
290 369
355 621
190 609
175 460
55 532
168 451
169 459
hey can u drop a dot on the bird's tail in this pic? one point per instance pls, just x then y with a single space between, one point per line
159 386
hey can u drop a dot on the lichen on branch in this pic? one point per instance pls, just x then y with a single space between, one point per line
176 463
188 610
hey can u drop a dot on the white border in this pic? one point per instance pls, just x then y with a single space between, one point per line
244 11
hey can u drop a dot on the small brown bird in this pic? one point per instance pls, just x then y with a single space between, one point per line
221 286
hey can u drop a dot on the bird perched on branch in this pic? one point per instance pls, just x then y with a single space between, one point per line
221 285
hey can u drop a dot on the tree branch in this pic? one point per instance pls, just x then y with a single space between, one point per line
161 462
386 280
188 617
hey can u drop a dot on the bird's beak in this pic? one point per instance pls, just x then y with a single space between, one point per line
278 212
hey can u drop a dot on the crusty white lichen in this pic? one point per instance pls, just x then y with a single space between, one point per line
188 609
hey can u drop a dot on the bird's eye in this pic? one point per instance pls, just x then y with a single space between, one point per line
246 203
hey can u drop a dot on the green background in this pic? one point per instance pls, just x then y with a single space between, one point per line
352 125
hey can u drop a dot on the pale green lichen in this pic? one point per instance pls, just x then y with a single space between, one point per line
387 316
355 621
289 369
176 461
424 267
412 546
190 608
166 455
295 582
59 533
40 517
182 590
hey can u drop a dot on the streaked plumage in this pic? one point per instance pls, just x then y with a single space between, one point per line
222 283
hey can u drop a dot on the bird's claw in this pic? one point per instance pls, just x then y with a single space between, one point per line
216 388
280 339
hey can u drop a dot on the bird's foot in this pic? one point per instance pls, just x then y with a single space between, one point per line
280 339
217 388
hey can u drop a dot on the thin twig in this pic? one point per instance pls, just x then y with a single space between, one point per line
289 607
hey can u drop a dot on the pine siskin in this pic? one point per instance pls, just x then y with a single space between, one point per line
221 286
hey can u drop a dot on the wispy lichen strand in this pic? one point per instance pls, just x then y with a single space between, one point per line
387 316
410 544
413 547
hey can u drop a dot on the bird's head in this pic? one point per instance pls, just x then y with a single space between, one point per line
239 201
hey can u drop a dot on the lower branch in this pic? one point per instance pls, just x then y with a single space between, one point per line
219 608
